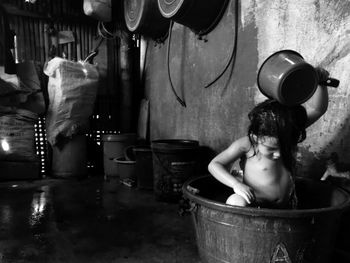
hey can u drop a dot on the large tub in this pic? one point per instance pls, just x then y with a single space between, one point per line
233 234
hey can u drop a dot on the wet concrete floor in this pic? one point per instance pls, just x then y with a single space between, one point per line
91 220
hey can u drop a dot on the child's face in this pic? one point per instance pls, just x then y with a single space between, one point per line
269 147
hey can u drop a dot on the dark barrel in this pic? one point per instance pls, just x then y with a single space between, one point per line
174 161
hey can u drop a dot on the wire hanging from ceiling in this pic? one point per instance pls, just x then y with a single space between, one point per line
106 33
181 101
231 60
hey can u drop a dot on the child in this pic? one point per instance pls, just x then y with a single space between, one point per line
267 153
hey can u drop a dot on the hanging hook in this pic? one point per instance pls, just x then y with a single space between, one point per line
94 52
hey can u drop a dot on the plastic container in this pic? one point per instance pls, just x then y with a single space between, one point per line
144 167
70 160
174 161
113 147
241 234
125 169
287 78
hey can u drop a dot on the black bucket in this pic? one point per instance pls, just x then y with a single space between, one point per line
113 147
201 16
174 161
144 167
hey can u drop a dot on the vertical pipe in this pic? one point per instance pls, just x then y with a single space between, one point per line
37 40
17 42
46 41
126 115
86 41
21 40
69 45
26 30
64 46
42 41
77 42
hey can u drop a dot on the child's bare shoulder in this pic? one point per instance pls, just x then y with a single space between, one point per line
243 144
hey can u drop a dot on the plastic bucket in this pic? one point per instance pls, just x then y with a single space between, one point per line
126 169
144 167
174 161
201 16
287 78
240 234
71 159
113 147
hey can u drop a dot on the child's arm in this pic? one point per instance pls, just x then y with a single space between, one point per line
218 167
317 105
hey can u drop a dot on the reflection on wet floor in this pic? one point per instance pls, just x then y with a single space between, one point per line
92 220
39 202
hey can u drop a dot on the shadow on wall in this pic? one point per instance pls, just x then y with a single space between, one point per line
318 165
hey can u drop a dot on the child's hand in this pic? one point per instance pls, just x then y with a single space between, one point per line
245 191
322 74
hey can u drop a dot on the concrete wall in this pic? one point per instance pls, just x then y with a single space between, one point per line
318 29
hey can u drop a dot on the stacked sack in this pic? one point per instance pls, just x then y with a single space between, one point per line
21 103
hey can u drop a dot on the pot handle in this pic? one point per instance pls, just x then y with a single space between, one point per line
331 82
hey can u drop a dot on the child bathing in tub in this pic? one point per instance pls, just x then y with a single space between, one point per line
268 153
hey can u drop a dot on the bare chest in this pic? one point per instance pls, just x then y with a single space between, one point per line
269 178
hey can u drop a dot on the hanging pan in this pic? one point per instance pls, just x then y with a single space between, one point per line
201 16
143 17
287 78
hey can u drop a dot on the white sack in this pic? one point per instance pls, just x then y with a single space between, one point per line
72 90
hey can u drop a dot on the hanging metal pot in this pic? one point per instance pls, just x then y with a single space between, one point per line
287 78
143 17
201 16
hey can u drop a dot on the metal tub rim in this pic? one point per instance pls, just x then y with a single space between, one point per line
263 212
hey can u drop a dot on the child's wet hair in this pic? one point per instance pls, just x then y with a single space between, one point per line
287 124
